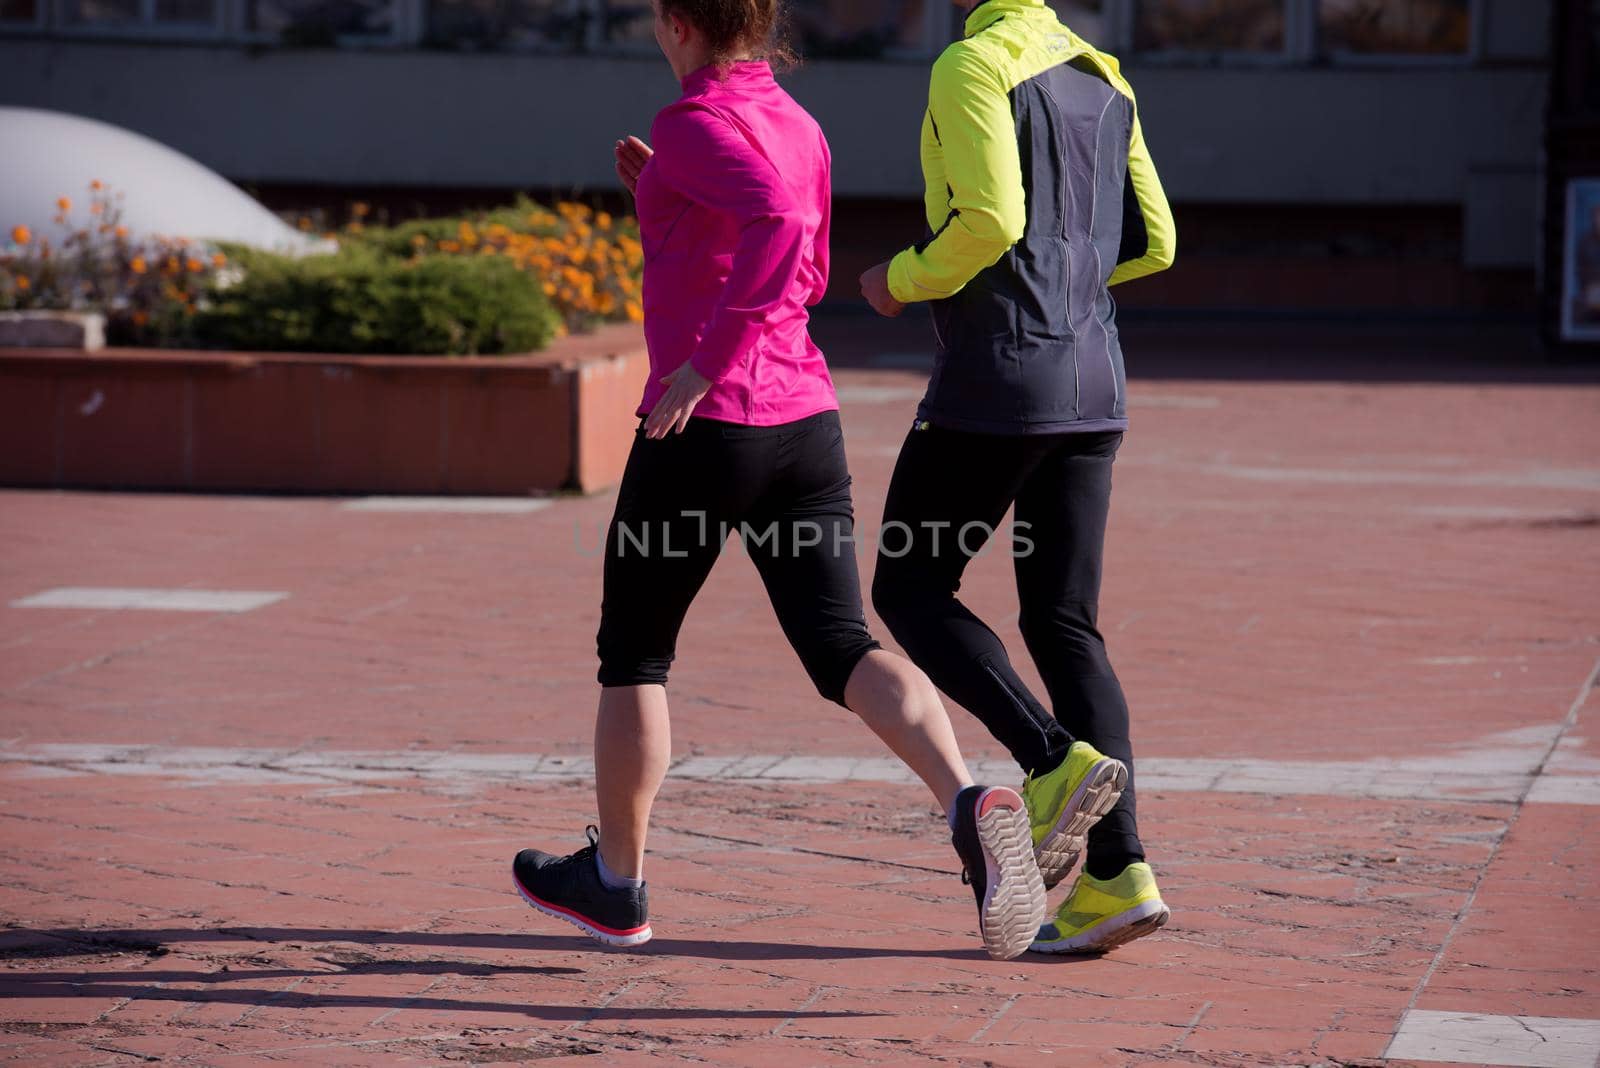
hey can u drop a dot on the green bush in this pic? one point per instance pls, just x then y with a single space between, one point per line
361 301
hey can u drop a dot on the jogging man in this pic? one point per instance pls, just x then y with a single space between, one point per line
1040 196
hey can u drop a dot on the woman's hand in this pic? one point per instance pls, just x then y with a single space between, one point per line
685 388
632 155
875 287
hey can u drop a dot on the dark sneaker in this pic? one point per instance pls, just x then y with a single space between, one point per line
569 888
992 838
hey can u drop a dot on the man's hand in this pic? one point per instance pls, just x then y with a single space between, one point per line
632 155
685 388
875 287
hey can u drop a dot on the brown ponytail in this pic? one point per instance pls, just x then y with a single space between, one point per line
758 27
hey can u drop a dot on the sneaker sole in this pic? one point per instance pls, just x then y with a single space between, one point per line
1096 795
1014 903
610 937
1137 922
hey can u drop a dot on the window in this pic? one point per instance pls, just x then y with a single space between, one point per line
860 29
1209 26
628 22
322 22
513 24
1395 27
23 11
162 14
1086 18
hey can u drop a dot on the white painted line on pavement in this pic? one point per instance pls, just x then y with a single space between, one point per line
1581 479
1498 768
1491 512
449 505
179 600
1478 1038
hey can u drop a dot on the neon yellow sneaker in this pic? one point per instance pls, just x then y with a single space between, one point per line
1063 804
1100 916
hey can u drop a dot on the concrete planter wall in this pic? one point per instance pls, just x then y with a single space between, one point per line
85 331
142 419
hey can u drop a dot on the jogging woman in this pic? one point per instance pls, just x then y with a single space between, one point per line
741 434
1040 196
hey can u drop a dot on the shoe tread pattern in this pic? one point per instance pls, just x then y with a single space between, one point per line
1058 851
1016 905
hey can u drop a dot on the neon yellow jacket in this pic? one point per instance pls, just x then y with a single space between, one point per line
1040 195
970 164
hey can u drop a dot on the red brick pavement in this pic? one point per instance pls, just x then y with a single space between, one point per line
1336 572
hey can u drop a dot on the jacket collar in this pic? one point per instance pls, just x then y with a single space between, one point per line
989 12
746 74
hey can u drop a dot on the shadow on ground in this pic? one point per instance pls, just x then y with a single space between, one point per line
217 986
19 944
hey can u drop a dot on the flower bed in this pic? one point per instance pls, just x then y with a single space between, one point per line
496 283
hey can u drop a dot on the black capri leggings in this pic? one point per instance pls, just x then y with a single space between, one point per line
786 491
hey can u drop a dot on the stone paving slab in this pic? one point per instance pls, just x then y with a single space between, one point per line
1355 615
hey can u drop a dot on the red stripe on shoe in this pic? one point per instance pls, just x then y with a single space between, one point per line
999 797
580 917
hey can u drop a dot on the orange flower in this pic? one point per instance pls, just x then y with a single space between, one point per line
218 260
355 227
360 209
304 223
138 266
23 284
97 185
21 235
121 232
140 318
64 205
193 266
96 208
418 241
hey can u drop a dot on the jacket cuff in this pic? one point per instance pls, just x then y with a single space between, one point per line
901 287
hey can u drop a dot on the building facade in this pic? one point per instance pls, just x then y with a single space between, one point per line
1345 136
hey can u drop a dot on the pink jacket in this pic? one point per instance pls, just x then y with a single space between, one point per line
733 214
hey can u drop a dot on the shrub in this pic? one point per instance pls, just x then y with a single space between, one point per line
360 301
588 263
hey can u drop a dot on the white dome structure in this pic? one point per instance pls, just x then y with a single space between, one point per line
45 155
